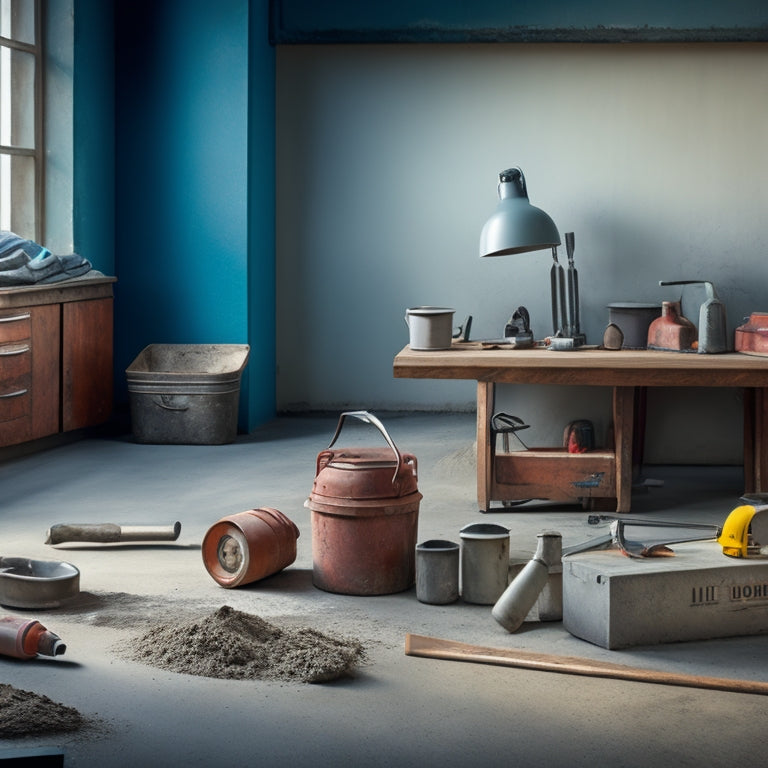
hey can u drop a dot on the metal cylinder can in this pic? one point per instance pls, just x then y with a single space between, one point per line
26 638
484 562
437 572
249 546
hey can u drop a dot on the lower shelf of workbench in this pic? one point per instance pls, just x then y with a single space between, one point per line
553 473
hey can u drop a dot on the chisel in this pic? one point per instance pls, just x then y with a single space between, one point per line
555 299
573 285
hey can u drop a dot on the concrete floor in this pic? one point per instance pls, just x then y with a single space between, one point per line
398 710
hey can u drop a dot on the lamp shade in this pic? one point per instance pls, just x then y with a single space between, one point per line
516 226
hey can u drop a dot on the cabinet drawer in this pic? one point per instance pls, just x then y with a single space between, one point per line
15 395
15 325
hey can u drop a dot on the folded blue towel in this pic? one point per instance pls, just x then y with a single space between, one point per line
10 242
24 262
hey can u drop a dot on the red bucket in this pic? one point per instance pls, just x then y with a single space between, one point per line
249 546
365 507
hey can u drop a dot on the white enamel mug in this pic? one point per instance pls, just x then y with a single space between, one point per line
431 328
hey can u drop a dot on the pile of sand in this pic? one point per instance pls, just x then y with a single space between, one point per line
23 713
235 645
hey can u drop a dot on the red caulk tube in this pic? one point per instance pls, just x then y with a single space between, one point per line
27 638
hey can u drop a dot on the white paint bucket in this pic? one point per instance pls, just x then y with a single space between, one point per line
431 328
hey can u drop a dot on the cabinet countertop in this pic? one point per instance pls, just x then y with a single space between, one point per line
92 285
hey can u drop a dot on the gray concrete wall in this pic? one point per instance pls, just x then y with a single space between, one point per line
387 158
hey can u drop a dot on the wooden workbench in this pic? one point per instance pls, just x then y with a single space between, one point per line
599 474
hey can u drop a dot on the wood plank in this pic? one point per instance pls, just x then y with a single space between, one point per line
451 650
16 384
623 429
46 376
93 285
586 366
758 440
15 325
87 363
541 473
751 473
15 431
486 394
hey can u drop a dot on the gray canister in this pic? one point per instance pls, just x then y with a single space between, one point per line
633 318
484 562
437 572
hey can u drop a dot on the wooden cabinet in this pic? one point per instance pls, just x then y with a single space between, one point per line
55 358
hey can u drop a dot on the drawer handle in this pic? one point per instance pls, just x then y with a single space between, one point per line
16 351
14 394
14 318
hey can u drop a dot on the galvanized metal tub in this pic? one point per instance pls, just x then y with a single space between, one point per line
186 394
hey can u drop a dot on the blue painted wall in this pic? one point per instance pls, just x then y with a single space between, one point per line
174 110
261 218
174 176
181 149
93 96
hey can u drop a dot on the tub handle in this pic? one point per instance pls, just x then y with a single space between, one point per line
369 418
163 403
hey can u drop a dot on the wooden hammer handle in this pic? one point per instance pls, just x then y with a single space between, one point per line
450 650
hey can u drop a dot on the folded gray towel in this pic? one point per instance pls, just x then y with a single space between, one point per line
51 269
14 260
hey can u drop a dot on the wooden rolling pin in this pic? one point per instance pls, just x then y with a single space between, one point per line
450 650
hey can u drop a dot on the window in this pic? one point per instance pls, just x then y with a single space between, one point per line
21 119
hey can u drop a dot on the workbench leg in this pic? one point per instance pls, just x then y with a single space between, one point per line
486 394
623 428
755 436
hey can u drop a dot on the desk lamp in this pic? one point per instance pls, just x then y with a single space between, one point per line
516 226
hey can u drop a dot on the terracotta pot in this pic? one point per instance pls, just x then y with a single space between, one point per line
249 546
671 331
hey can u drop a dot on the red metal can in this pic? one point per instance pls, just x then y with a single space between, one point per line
365 507
249 546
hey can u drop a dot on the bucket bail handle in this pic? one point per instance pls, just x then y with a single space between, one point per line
369 418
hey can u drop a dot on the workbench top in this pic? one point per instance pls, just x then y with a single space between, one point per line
588 365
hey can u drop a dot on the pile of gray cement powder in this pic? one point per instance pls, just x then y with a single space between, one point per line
23 713
235 645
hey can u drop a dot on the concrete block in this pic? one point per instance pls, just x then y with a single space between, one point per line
616 602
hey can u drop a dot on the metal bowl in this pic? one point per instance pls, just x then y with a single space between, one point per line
26 583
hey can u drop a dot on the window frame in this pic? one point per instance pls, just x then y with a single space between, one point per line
37 152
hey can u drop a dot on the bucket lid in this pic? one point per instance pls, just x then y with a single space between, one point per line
630 305
364 473
483 531
430 310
